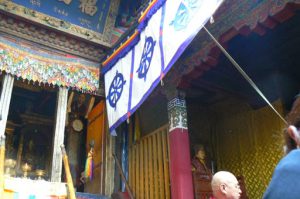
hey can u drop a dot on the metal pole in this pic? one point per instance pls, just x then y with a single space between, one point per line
244 74
123 176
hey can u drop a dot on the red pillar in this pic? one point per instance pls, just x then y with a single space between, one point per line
180 160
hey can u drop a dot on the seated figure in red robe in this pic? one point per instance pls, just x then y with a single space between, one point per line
199 165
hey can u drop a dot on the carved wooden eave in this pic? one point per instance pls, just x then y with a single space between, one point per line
19 27
235 17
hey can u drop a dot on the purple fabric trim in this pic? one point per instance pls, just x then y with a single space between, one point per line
148 16
122 54
154 84
180 50
124 117
161 28
131 78
118 122
140 28
172 61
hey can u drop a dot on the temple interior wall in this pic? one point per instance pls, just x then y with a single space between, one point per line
240 139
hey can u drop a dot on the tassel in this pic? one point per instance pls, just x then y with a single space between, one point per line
161 82
212 20
89 164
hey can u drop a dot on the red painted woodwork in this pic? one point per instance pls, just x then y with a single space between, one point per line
180 165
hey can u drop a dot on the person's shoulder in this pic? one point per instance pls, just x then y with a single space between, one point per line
291 159
288 166
285 179
295 152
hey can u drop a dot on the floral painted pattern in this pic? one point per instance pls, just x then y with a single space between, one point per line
48 69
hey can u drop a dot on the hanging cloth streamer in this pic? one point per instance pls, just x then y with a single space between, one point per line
244 74
89 164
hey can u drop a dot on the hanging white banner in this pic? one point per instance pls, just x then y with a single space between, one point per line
147 62
169 31
117 84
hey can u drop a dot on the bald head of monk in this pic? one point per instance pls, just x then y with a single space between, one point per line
225 186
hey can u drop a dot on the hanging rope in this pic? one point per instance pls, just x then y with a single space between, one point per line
244 74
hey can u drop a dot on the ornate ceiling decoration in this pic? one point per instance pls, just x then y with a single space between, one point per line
50 38
89 20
